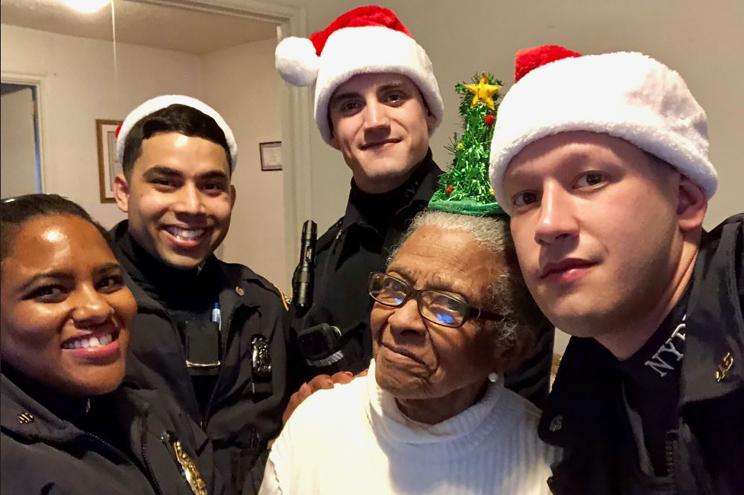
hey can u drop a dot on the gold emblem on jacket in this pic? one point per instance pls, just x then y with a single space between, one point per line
190 471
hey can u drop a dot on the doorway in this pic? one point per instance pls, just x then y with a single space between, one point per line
20 148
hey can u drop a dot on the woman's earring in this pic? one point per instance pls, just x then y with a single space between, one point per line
493 377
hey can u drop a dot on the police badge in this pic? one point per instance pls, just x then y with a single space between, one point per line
260 357
186 464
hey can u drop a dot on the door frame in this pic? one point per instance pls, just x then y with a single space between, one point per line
37 81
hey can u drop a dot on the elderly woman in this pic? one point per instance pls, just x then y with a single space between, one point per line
451 314
68 426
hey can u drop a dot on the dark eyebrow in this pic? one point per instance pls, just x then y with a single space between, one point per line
400 271
60 275
161 170
109 267
384 87
343 96
214 174
54 274
392 85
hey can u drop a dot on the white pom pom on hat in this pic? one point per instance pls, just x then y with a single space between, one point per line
297 61
627 95
364 40
164 101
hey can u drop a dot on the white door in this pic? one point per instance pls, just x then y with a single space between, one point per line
18 148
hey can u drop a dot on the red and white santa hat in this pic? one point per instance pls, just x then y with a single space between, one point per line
164 101
627 95
365 40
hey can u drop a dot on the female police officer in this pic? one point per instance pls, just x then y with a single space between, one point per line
68 424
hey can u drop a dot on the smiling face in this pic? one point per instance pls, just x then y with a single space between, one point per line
66 310
381 126
178 198
599 227
417 360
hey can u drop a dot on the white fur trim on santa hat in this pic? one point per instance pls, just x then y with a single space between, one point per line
159 102
625 94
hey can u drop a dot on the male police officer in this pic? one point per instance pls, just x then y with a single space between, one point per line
376 101
607 184
209 333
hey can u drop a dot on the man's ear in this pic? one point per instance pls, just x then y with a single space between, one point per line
431 120
334 138
334 142
121 192
233 195
691 205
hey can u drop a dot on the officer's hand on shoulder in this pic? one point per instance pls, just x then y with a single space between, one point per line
308 388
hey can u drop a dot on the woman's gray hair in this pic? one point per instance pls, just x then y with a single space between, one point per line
508 294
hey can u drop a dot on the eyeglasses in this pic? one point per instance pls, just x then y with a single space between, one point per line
435 306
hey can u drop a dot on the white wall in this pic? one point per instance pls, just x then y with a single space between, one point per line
241 83
702 43
80 84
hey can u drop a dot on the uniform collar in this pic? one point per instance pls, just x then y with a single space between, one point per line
375 210
165 284
33 410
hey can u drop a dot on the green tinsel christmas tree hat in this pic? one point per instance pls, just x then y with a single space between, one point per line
465 187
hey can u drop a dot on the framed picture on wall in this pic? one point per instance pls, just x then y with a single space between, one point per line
108 165
271 155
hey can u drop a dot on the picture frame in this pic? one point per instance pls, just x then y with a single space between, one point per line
108 165
271 156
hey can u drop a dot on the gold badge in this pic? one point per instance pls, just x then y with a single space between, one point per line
187 465
724 368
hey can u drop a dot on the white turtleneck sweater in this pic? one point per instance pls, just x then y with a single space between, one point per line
353 439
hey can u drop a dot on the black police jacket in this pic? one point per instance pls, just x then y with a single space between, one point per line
245 409
357 244
586 414
147 446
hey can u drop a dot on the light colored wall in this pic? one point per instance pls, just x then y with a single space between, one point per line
241 83
465 38
80 84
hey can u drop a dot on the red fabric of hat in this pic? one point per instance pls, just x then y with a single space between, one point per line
532 58
369 15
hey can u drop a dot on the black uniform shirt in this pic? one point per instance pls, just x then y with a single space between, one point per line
188 296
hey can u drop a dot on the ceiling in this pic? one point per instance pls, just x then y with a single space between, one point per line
159 26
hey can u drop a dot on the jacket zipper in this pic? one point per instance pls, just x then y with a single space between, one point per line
669 453
143 447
